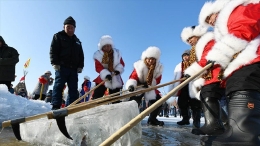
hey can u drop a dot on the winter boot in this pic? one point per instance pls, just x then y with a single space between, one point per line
186 118
224 118
152 118
213 124
196 115
244 121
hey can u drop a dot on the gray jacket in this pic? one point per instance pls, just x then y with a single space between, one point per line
37 89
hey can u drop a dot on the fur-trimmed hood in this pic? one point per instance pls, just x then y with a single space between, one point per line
209 8
188 32
151 52
104 40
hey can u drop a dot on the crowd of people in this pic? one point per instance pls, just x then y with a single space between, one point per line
231 47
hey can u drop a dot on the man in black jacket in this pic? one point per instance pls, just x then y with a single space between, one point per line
9 57
67 58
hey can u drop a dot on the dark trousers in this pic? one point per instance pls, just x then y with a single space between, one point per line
69 76
155 113
184 102
37 96
100 91
7 83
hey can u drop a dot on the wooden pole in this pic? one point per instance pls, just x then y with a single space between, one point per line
90 104
110 140
41 92
86 94
105 100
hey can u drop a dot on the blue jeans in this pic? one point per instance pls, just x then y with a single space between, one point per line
69 76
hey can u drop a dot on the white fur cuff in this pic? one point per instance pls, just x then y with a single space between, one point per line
221 54
104 73
130 82
150 95
119 68
234 42
193 69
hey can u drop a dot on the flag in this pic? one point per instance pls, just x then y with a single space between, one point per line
27 63
23 78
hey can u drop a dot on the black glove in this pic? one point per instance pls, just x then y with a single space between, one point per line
117 72
131 88
211 61
145 85
109 77
186 76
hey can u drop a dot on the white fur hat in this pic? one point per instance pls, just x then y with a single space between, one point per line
188 32
209 8
104 40
87 78
151 52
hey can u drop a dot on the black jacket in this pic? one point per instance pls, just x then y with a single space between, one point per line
8 59
66 51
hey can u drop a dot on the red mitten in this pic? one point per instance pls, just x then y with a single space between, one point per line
42 80
85 88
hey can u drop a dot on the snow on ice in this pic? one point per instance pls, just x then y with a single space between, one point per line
14 106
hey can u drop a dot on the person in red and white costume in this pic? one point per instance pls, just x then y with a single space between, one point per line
110 65
147 72
207 87
237 28
185 102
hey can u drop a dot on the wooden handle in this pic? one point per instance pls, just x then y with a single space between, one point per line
105 100
85 95
6 123
41 92
110 140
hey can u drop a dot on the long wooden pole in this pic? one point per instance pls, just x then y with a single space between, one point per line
101 101
110 140
89 104
41 91
86 94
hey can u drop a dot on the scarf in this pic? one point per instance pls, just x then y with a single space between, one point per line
185 65
149 78
193 57
108 58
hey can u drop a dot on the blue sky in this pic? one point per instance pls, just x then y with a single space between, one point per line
29 25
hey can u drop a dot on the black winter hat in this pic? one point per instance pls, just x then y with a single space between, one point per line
70 20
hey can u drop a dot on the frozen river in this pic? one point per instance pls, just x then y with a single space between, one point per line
170 134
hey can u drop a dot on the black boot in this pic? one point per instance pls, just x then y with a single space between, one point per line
196 115
213 124
244 121
152 118
186 119
224 118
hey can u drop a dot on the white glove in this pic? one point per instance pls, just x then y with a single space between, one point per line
56 67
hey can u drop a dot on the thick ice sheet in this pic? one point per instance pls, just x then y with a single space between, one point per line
13 106
95 124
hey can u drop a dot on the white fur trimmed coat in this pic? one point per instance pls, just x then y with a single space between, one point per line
103 71
139 75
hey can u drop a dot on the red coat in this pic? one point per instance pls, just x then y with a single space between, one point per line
103 71
139 74
236 30
202 48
